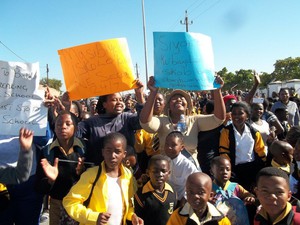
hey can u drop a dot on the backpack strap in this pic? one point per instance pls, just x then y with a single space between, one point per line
87 201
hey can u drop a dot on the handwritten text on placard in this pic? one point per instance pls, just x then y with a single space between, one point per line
21 104
97 68
183 60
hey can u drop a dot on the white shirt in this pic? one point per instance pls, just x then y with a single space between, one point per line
181 169
264 130
115 201
244 145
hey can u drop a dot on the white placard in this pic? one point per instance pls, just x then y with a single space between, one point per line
21 103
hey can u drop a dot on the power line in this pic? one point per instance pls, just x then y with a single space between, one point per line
175 24
12 51
213 5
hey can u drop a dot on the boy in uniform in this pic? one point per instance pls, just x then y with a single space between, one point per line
273 192
156 200
111 200
197 209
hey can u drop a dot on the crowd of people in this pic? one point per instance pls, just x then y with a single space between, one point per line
210 157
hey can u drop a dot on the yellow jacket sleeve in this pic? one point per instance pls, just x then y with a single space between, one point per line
224 144
260 147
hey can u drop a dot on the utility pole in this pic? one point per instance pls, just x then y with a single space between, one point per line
145 40
47 68
137 71
186 22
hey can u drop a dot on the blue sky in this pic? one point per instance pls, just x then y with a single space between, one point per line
246 34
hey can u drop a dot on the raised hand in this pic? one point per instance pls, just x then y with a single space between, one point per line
50 171
25 139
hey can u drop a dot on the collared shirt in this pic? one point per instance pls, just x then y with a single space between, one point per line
149 188
212 212
283 218
244 146
76 142
181 169
286 168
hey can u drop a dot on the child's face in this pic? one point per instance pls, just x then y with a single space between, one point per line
113 153
273 194
239 116
222 171
114 104
130 161
158 173
64 127
198 193
173 147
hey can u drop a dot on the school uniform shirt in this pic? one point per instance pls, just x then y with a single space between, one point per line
229 143
286 217
186 216
67 175
181 169
73 202
154 207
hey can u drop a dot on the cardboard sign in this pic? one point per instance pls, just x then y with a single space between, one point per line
21 103
97 68
183 61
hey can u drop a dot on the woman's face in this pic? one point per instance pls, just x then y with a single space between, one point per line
114 104
257 110
284 95
177 104
239 116
159 104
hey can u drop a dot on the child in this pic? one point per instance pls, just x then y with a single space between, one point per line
65 154
283 117
181 166
225 190
243 145
282 155
112 195
156 200
198 210
130 161
274 193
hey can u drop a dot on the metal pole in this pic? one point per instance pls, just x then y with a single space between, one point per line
47 81
145 41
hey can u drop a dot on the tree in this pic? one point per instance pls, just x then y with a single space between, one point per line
265 79
53 83
287 69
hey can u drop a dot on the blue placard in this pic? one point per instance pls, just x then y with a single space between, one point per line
184 61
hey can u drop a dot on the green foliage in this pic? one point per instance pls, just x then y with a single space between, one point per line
53 83
287 69
242 79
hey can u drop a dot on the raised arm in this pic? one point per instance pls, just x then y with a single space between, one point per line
21 173
139 92
147 111
251 93
219 110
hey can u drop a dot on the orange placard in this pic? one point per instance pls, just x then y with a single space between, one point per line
97 68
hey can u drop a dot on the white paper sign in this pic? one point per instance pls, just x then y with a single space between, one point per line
21 103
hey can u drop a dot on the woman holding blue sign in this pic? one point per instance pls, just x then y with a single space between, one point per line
179 103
